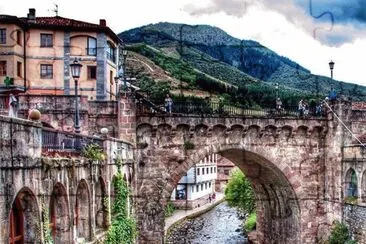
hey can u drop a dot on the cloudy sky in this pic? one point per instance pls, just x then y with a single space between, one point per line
309 32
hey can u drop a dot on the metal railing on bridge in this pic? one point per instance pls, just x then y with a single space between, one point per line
60 142
222 109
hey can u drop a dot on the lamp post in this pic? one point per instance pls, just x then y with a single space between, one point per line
124 53
331 67
75 73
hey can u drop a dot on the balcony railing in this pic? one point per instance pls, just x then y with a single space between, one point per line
62 142
221 109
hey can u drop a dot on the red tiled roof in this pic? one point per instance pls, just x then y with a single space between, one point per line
223 162
59 23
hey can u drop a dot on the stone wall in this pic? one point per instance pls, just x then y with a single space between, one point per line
76 192
355 217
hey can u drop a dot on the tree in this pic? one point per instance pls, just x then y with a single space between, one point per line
239 192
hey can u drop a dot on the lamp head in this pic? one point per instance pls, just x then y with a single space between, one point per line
331 65
75 68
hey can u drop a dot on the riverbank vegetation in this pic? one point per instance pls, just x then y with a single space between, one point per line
169 209
123 228
340 234
239 194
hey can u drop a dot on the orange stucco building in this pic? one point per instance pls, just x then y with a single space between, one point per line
36 53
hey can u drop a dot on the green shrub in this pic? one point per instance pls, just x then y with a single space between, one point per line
340 234
351 200
239 192
169 209
251 222
188 145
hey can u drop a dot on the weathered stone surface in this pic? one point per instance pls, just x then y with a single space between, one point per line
294 176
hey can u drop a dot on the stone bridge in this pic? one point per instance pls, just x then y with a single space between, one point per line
294 166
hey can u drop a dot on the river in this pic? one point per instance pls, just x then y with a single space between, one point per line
220 225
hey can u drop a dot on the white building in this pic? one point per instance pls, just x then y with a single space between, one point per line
195 188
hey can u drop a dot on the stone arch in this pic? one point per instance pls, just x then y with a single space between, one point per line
276 187
351 183
163 134
182 133
363 186
82 211
59 214
236 133
144 133
101 209
24 218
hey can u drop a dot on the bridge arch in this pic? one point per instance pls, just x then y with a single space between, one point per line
82 211
24 218
59 214
283 159
275 184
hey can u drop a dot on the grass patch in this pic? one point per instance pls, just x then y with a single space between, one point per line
250 222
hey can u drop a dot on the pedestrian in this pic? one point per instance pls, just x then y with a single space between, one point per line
13 106
301 108
278 104
209 198
168 104
332 96
213 196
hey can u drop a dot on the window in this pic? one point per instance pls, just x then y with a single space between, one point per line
46 40
207 171
111 52
19 37
226 172
91 47
192 189
201 187
2 36
214 169
203 171
197 188
205 185
46 71
3 68
92 72
19 69
198 171
211 170
209 185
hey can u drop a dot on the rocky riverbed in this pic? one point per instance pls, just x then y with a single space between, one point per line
222 224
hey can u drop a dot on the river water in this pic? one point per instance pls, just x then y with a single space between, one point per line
220 225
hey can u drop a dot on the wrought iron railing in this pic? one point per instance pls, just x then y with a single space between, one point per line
59 141
222 109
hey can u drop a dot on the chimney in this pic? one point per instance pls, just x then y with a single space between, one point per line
32 15
102 22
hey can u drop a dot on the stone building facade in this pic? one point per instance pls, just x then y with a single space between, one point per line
36 53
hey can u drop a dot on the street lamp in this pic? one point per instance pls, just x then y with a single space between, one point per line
331 66
75 68
124 53
276 87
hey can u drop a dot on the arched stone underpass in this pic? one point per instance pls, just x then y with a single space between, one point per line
284 159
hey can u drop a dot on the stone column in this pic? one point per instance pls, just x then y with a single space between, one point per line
127 118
